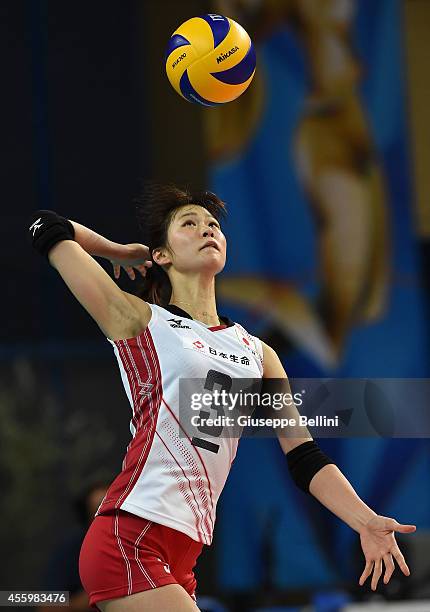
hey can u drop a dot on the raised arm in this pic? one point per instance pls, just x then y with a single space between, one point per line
69 247
326 483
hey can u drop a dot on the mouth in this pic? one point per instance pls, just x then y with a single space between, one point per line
210 243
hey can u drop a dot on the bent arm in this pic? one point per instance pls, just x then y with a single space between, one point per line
96 244
95 290
115 311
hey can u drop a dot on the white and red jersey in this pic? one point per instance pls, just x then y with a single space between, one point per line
166 476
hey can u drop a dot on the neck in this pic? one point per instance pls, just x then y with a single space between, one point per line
196 295
197 313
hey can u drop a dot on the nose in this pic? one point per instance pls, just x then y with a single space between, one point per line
208 233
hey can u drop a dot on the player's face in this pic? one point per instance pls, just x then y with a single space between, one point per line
196 241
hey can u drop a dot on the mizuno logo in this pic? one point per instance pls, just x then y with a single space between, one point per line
177 324
180 58
224 56
35 226
165 565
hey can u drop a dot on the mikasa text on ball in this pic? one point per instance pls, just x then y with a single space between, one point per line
210 60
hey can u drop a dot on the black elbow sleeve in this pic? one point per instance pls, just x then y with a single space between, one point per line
304 462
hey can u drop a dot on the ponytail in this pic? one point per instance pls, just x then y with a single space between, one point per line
156 287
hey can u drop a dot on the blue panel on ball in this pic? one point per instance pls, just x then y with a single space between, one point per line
176 41
190 93
239 73
220 27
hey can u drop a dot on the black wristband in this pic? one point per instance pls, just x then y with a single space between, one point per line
47 228
304 462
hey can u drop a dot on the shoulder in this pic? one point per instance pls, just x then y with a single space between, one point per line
273 367
269 354
268 351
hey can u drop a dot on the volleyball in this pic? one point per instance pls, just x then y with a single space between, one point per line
210 60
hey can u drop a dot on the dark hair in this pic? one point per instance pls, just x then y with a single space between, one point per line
155 208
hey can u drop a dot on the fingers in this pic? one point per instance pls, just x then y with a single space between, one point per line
130 272
143 267
377 571
405 528
401 561
389 567
366 573
395 526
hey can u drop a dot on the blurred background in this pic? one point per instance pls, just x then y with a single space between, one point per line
324 166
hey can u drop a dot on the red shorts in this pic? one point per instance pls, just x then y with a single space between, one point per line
124 554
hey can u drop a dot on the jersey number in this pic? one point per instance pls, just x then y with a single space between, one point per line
224 382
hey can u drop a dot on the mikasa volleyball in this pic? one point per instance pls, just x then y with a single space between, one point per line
210 60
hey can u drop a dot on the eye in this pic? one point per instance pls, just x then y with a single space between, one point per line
215 223
188 222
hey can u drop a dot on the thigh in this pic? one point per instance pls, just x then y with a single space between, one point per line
169 597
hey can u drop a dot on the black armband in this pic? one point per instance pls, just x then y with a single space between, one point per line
47 228
304 462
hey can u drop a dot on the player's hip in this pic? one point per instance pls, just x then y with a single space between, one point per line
123 554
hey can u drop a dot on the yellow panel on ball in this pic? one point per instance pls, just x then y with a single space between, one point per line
177 62
199 33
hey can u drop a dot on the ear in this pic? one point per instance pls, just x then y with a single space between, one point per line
161 257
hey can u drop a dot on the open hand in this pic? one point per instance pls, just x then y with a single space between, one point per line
379 544
132 257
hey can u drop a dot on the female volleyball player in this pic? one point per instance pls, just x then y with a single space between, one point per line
140 550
